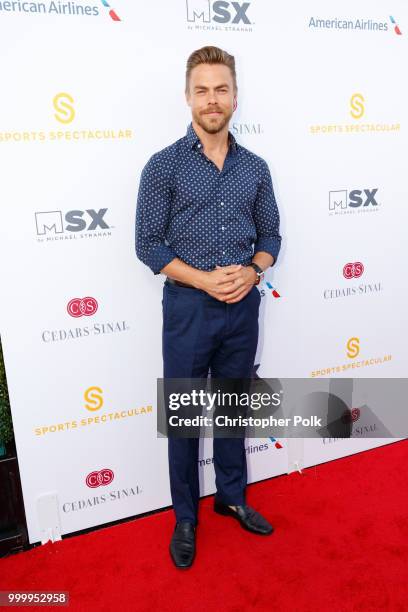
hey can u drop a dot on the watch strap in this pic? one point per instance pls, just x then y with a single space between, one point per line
259 272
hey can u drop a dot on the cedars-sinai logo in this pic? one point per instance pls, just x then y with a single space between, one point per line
99 478
353 270
351 416
82 307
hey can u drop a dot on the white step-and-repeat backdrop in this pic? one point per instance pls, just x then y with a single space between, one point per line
90 90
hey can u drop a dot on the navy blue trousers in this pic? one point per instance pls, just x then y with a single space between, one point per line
200 333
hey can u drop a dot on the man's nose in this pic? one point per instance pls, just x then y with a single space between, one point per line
212 98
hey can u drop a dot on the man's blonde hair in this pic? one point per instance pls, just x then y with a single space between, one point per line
211 55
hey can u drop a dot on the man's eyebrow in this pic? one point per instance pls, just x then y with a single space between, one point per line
205 87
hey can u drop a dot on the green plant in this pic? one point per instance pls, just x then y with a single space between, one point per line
6 423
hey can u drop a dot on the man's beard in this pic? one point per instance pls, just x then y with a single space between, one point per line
212 127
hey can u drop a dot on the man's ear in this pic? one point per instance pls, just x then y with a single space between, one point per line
235 103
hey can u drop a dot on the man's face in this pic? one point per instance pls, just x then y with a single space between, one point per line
211 96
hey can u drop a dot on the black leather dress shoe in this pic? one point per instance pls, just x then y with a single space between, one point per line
249 518
182 545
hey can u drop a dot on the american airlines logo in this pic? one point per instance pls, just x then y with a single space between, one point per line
218 13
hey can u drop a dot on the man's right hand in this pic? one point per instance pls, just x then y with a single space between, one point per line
224 283
221 282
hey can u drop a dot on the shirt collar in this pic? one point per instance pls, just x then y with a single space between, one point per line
193 140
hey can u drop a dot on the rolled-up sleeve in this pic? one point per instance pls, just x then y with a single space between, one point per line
266 217
152 216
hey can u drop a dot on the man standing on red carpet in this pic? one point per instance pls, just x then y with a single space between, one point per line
207 218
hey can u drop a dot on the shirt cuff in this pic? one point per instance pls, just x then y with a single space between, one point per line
159 257
269 245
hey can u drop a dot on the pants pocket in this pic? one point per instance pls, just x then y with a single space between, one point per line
169 302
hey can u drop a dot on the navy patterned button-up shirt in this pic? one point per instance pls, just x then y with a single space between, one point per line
188 208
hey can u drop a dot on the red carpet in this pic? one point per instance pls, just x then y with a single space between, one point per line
341 544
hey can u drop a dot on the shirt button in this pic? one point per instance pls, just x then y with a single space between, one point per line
222 227
223 252
222 203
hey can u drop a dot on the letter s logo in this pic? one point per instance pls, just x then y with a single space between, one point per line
66 112
353 346
93 395
355 198
357 106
